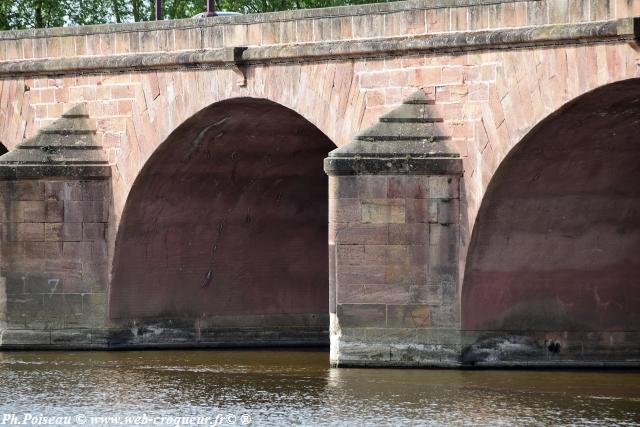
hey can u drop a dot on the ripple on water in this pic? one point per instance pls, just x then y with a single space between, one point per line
297 387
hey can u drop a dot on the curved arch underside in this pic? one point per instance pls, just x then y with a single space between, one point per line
556 245
228 219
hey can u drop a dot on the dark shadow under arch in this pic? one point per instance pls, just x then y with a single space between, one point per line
556 243
227 221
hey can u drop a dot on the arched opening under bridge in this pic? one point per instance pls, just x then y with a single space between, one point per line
555 251
226 226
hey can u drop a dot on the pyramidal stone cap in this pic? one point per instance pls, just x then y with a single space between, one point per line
65 148
407 140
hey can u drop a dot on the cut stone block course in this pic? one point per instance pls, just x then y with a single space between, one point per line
57 195
384 258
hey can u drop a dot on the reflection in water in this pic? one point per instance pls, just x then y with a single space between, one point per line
283 387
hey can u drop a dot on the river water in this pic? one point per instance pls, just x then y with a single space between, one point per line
297 387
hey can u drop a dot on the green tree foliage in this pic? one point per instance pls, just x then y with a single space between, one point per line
20 14
5 15
258 6
85 12
33 13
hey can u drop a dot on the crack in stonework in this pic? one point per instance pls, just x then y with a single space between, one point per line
200 138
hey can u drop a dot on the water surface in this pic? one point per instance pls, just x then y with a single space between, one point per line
298 387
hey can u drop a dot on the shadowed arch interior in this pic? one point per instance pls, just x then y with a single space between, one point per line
556 244
228 218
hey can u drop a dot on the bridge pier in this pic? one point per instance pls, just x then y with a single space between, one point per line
55 209
394 204
217 210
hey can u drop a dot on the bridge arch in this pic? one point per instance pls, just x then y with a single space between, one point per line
226 224
555 247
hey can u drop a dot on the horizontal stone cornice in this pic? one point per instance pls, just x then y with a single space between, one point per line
622 29
336 166
626 29
17 172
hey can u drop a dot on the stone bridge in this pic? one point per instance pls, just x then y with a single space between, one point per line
166 183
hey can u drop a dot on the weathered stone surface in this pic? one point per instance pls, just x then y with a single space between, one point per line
180 333
382 211
66 141
402 350
24 338
403 141
395 287
69 140
227 56
488 73
408 316
47 289
362 315
66 338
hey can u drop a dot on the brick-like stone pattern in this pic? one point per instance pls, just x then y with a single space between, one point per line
344 23
395 242
219 331
489 99
54 260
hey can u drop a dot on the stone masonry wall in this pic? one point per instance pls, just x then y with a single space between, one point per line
488 100
489 97
394 242
307 26
54 262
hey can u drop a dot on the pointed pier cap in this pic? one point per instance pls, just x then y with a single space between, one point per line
65 148
406 140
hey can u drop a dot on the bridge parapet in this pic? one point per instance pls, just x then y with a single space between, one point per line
363 22
492 84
